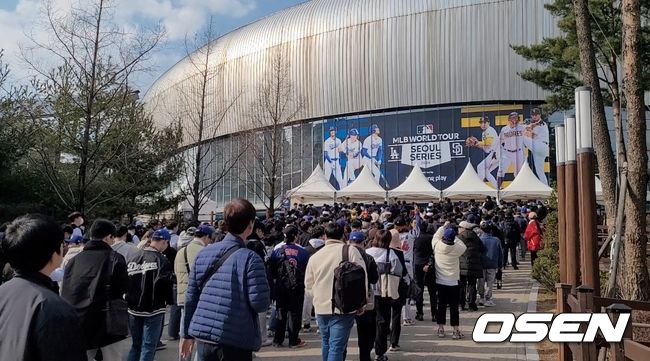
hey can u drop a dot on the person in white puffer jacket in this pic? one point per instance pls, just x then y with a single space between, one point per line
447 249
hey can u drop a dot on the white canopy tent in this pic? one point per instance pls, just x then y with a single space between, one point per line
316 189
415 188
205 213
469 186
364 189
526 186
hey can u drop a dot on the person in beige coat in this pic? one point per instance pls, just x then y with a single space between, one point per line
334 326
184 262
447 251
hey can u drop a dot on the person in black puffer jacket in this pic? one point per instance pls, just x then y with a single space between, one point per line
471 265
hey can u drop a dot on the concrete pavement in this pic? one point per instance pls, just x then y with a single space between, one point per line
420 342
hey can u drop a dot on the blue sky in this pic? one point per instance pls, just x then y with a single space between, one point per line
179 17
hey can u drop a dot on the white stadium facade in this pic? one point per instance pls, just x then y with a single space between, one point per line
424 72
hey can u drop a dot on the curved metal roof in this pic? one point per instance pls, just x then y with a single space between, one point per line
348 56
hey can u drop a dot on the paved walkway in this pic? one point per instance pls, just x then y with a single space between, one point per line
420 342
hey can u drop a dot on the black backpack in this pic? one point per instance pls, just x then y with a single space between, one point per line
289 276
349 289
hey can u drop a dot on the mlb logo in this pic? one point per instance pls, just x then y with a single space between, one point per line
425 129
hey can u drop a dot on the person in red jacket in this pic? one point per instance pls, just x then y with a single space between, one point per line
533 236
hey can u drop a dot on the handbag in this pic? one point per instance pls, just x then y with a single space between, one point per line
413 290
116 312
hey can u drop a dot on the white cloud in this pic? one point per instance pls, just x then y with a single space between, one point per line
179 17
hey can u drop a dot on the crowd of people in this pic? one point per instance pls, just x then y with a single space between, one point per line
103 293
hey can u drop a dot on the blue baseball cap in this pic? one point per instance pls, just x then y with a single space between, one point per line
472 218
357 236
353 131
204 230
373 128
449 234
162 233
332 129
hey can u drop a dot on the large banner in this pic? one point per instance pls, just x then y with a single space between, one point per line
496 139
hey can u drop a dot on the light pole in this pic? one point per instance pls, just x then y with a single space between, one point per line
561 202
571 228
586 191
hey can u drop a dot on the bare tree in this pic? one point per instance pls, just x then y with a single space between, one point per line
276 105
202 109
602 143
635 284
87 98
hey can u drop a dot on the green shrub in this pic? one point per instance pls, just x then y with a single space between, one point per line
546 268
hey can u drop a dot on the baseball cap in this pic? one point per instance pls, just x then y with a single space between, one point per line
357 236
190 231
332 129
449 234
532 215
536 111
472 219
162 233
485 225
513 114
373 128
204 230
353 131
484 119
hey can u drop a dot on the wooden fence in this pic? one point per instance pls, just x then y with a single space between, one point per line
584 301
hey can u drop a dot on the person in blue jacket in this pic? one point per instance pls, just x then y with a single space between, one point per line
288 264
221 305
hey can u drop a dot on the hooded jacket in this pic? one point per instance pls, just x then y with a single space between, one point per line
471 263
150 283
85 282
448 261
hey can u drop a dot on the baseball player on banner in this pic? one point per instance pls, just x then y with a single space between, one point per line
536 140
331 165
372 152
351 146
511 146
490 146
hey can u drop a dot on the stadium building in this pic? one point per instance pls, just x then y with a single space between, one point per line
381 83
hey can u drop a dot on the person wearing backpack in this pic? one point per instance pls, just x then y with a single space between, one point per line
288 265
184 263
513 236
390 270
334 278
226 291
366 323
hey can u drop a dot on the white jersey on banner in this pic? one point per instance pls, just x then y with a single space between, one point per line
536 140
352 149
372 147
512 148
490 145
331 165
